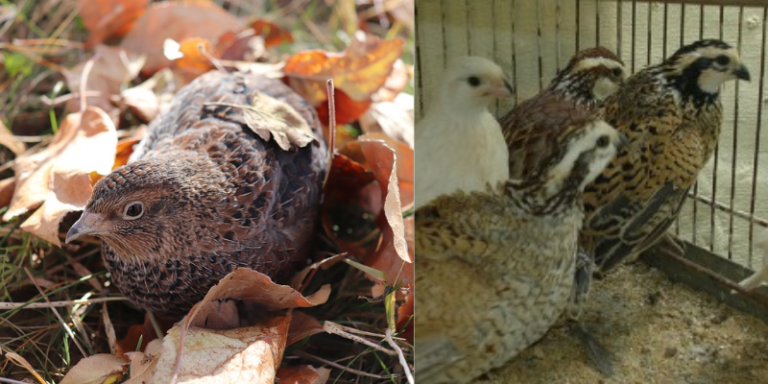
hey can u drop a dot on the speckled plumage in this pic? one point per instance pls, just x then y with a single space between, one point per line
672 114
495 269
216 197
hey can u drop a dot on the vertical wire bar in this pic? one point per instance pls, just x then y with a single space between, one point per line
666 30
696 185
682 42
597 22
558 44
513 8
495 52
716 165
650 28
578 25
619 27
443 18
466 26
634 34
538 44
755 163
734 147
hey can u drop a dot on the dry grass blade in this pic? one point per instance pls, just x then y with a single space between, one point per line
348 333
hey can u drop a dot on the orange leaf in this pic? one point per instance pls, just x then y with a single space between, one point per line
193 60
302 326
177 21
123 151
273 34
347 110
6 191
405 314
303 374
109 18
58 176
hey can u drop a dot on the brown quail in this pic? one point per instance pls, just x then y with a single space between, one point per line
495 269
672 114
207 195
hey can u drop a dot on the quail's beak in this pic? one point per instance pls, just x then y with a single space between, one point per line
504 90
742 73
89 224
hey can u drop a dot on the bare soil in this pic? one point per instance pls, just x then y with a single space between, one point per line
658 331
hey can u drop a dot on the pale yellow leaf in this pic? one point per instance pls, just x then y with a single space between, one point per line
97 369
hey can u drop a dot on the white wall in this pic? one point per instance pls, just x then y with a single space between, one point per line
531 39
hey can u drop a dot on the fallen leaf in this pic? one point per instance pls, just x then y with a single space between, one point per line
143 364
96 369
271 32
254 288
303 374
109 18
23 363
395 84
150 98
270 117
7 140
405 164
177 21
114 68
241 355
302 326
298 280
193 62
347 110
6 191
144 332
394 118
405 317
123 152
58 176
358 72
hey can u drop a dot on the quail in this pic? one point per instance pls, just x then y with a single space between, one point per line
671 113
207 195
458 128
495 269
590 76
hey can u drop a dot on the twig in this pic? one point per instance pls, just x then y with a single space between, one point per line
84 79
347 333
58 316
210 57
400 356
331 127
64 98
339 366
62 303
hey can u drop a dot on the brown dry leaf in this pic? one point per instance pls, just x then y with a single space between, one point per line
270 117
241 355
7 187
58 176
177 21
303 374
143 363
252 287
150 98
193 62
123 152
109 18
302 326
392 256
114 68
405 164
96 369
347 110
271 32
396 82
405 317
358 72
394 118
7 140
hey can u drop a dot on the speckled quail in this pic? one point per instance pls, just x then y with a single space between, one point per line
590 76
207 195
495 269
457 128
672 114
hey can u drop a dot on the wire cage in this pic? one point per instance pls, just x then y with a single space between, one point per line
532 39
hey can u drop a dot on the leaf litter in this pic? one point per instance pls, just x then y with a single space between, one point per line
57 179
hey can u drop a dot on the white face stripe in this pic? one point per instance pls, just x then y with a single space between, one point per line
593 62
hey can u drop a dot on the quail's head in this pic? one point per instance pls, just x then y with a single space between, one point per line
472 82
699 69
152 207
591 75
587 148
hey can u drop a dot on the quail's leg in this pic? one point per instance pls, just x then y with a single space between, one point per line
601 358
669 244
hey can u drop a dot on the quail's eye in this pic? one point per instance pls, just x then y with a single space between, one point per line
603 141
133 210
723 60
617 72
474 81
